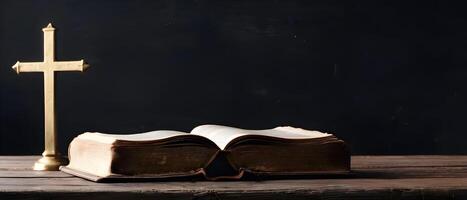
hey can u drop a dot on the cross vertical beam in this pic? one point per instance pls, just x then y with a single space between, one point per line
49 92
49 44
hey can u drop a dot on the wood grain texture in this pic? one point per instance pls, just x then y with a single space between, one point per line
382 177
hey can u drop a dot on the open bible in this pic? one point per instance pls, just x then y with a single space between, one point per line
212 151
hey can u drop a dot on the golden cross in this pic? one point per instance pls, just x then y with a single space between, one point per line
51 159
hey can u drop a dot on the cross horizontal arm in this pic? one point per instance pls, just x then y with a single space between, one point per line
69 65
28 67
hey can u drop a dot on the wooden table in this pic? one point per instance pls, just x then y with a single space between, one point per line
382 177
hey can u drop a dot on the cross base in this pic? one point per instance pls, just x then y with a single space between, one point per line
50 163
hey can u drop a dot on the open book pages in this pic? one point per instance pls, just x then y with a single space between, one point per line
220 135
139 137
223 135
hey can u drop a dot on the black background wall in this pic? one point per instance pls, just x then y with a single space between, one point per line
387 77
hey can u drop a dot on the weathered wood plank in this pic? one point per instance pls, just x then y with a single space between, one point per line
411 172
17 162
31 174
363 162
358 162
373 177
288 195
390 189
79 185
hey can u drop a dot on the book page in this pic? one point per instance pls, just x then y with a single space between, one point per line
148 136
222 135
